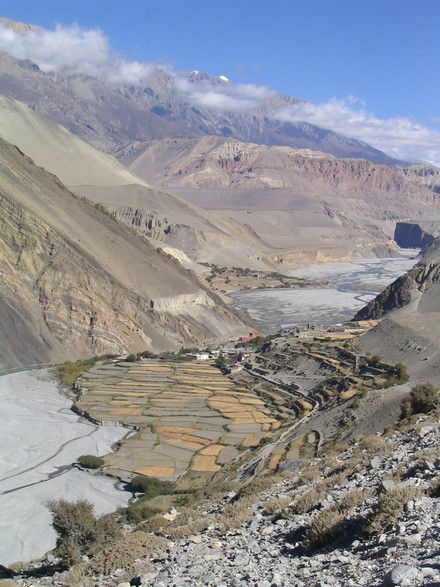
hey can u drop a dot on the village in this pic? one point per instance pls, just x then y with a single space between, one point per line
197 412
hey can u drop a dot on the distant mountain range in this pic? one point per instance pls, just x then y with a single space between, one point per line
120 118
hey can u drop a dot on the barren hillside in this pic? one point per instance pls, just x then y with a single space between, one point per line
76 282
410 331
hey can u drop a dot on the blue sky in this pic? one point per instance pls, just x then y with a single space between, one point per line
370 68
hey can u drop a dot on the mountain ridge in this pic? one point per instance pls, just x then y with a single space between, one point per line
109 117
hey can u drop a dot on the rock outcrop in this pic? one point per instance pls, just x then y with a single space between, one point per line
417 285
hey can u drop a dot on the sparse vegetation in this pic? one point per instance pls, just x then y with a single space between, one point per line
151 486
67 373
124 552
326 526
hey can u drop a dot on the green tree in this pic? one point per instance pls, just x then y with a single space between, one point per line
422 399
79 532
90 461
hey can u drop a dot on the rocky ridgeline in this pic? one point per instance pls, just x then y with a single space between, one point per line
366 517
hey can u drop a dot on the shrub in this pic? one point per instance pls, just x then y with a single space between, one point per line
276 504
324 529
131 358
67 373
77 577
387 509
422 399
133 546
79 531
90 461
351 500
306 502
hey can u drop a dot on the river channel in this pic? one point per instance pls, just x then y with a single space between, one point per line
40 438
348 287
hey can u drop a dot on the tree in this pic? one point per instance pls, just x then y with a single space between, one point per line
401 372
422 399
79 531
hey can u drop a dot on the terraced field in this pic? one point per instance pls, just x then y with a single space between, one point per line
189 417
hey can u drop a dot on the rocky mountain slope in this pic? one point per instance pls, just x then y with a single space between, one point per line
367 515
213 162
119 119
416 235
410 331
76 282
266 227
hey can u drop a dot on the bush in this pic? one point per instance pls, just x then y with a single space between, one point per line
133 546
401 372
422 399
388 508
324 529
79 531
90 461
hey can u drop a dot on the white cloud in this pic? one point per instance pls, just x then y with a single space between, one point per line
89 52
224 96
402 138
85 51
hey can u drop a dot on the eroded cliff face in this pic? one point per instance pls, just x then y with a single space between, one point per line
75 282
214 163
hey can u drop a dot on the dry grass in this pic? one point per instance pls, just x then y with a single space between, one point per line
256 486
77 577
335 479
188 523
324 529
234 515
126 551
308 475
134 570
276 504
389 506
153 524
306 502
374 445
351 500
7 583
